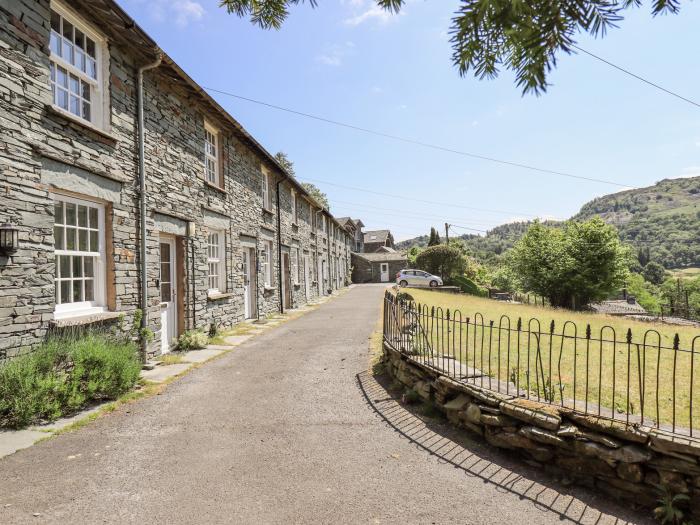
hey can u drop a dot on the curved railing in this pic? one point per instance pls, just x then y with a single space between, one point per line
639 381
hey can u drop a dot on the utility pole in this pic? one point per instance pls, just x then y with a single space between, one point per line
447 235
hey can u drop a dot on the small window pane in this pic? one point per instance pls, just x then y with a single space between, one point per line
94 244
82 216
77 266
91 68
55 21
77 291
86 110
89 290
66 296
67 52
93 218
67 30
74 105
65 266
165 292
58 212
55 43
58 237
89 267
90 47
62 98
79 39
85 93
83 240
70 239
70 213
80 59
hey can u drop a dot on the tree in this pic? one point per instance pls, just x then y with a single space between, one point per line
486 35
442 260
572 266
317 195
654 272
283 160
434 237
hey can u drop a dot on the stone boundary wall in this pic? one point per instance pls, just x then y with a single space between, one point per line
626 462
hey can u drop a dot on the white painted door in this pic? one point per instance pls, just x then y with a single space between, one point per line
384 272
168 294
249 282
307 278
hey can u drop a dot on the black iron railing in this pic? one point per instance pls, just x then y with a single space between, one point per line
637 381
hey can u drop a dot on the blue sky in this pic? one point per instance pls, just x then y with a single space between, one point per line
347 60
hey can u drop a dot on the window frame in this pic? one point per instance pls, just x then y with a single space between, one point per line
218 261
296 260
265 188
209 129
295 211
99 89
99 302
267 263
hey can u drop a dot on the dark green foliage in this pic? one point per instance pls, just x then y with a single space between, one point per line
442 260
654 273
571 266
64 375
283 160
486 35
468 286
434 239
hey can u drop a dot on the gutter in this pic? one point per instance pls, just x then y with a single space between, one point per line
142 200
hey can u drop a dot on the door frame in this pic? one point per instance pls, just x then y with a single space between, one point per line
381 272
172 317
251 294
286 280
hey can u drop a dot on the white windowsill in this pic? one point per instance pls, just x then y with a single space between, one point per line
82 318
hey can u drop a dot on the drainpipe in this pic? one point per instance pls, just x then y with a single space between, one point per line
279 246
142 199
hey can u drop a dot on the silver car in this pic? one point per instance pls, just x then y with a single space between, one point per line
417 278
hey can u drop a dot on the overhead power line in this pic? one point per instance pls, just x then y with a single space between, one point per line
403 197
634 75
416 142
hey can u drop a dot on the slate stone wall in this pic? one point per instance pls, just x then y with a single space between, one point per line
627 462
43 153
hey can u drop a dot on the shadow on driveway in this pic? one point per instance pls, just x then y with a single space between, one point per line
506 473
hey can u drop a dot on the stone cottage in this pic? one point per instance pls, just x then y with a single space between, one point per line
131 189
378 240
377 267
354 228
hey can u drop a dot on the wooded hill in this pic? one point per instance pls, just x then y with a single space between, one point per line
661 221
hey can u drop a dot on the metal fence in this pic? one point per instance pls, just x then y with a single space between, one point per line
601 372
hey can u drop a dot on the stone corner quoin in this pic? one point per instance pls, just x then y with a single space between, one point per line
228 236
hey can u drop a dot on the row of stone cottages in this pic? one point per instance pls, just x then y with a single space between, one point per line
108 151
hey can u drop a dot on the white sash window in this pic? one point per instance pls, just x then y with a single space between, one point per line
215 258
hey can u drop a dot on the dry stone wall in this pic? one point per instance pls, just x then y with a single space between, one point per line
627 462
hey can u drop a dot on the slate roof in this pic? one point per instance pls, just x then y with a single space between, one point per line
617 307
381 257
376 236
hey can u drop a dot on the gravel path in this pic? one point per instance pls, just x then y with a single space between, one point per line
287 428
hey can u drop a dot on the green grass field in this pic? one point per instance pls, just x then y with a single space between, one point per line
600 372
686 273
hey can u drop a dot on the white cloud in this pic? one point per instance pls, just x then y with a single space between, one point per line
187 11
335 54
374 12
377 90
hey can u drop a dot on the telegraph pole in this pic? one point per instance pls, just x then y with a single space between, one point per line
447 235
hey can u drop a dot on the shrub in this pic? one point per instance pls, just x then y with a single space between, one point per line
445 261
192 340
468 286
63 375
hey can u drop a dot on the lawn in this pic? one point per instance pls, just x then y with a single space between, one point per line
565 367
686 273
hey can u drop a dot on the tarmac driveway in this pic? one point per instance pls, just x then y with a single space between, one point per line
287 428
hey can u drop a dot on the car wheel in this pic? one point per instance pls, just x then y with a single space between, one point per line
403 284
433 284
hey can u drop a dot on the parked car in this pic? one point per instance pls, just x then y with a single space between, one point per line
417 278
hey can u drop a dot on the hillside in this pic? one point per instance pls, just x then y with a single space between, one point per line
663 219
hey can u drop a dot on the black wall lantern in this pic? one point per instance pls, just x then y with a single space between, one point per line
9 239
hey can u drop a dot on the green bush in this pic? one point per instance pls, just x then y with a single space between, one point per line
192 340
64 375
468 286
